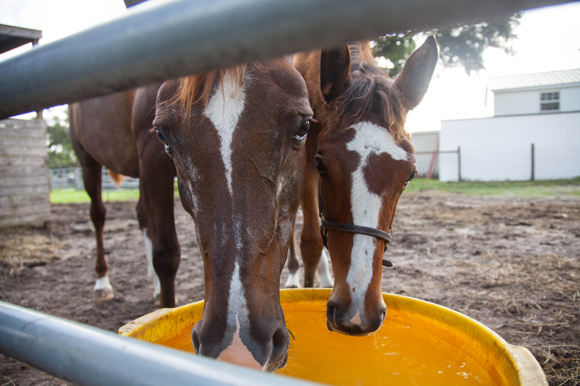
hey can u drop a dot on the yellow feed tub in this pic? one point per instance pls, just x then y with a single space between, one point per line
420 343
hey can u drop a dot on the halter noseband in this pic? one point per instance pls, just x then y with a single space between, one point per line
350 228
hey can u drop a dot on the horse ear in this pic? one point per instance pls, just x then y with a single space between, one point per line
414 80
334 71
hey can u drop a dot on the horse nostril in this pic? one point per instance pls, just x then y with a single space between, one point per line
280 338
331 312
279 355
378 320
195 341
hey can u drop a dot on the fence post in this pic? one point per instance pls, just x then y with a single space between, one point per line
458 163
533 163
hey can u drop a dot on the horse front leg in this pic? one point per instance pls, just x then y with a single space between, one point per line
156 177
310 239
144 226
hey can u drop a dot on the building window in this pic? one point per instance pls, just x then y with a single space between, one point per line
550 101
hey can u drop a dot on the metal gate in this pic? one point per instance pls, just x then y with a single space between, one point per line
155 42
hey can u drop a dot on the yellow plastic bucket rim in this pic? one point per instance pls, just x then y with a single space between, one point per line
517 362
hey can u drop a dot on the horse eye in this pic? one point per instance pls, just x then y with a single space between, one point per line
319 165
411 177
159 134
304 127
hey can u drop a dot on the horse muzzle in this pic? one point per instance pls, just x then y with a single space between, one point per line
357 325
266 353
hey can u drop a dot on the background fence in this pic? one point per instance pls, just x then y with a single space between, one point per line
72 178
500 148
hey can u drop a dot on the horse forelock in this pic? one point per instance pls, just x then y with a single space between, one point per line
370 92
198 88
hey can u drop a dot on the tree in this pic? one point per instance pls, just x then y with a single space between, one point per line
460 45
60 150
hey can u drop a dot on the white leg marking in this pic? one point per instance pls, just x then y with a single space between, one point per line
150 269
323 271
366 206
103 283
293 280
224 110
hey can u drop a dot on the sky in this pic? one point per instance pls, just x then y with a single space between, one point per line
548 40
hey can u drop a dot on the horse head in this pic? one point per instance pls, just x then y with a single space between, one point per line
365 160
237 139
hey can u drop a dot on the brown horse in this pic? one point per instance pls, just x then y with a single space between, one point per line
361 159
237 139
114 131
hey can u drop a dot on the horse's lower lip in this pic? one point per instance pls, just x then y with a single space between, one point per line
329 326
278 364
351 332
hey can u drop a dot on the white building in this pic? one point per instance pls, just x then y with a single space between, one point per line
426 145
535 132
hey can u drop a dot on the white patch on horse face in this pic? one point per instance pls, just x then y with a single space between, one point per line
103 283
150 269
238 353
238 316
366 206
224 110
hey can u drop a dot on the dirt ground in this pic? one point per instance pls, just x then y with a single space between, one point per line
511 263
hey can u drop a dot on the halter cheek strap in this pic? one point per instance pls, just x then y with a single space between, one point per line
350 228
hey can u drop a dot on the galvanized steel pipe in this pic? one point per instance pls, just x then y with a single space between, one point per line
158 42
89 356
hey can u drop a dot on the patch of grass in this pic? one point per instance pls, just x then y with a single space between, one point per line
544 188
68 196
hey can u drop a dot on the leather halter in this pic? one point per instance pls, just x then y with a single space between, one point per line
350 228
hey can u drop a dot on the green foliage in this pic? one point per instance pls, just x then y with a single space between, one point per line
464 45
60 150
460 45
395 48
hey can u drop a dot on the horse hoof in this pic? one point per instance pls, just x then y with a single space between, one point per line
292 286
103 294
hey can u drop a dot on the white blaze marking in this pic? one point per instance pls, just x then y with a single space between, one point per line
224 110
356 318
150 269
366 207
103 283
237 352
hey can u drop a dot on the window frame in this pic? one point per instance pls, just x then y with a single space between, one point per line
550 101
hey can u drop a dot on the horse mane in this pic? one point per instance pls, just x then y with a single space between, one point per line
197 88
371 90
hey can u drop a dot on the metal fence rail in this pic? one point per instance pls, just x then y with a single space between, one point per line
155 43
89 356
72 178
